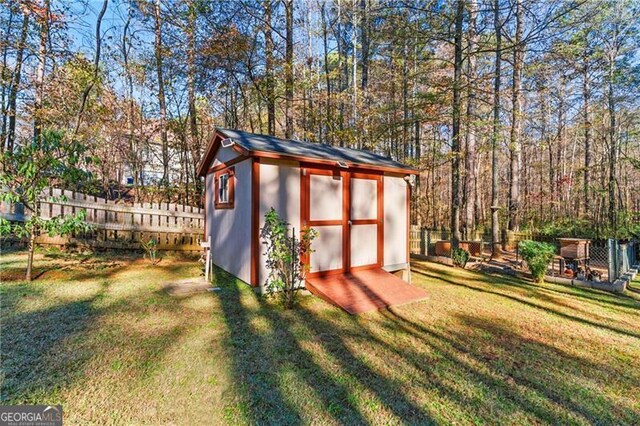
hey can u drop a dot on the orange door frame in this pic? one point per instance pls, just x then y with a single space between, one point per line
306 171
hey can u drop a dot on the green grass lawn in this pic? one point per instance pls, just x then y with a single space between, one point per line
100 336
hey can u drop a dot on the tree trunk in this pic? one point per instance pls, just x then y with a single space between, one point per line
194 146
613 148
455 142
470 175
516 126
415 116
586 93
270 90
364 42
96 67
325 43
133 155
42 60
314 126
343 72
364 69
547 141
4 76
354 73
557 197
405 100
288 6
496 246
31 247
15 83
159 54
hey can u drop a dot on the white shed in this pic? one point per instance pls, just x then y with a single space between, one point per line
357 200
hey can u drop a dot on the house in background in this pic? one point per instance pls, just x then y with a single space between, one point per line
358 202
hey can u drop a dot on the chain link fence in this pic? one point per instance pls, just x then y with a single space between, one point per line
607 260
623 256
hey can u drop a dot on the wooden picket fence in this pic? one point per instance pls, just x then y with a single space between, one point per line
119 226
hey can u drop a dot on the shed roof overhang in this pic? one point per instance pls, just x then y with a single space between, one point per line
219 136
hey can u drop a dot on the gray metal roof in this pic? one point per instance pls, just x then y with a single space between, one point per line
266 143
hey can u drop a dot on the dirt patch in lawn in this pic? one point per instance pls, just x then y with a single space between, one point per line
187 286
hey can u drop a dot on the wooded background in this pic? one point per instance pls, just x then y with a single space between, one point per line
529 107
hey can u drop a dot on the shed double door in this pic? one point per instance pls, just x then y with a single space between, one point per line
346 209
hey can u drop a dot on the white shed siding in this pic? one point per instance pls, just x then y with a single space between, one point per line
223 155
230 229
395 221
280 189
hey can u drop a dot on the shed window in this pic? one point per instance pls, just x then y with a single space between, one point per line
224 188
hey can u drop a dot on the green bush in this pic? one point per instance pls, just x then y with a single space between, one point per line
538 256
460 257
285 253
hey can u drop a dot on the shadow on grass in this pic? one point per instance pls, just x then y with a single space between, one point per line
387 390
260 360
36 349
633 289
599 297
542 380
57 264
482 389
551 373
488 371
448 278
47 350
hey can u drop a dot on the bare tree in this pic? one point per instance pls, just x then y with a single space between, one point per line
586 111
96 65
16 82
515 144
44 17
270 89
496 246
194 146
455 142
470 176
325 44
288 6
5 75
162 103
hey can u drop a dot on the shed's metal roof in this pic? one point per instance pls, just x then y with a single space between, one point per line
266 143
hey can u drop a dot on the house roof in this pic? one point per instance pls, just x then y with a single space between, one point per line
256 144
